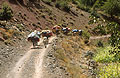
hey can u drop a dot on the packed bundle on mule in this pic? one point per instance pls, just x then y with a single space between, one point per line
77 32
56 29
66 30
33 37
46 33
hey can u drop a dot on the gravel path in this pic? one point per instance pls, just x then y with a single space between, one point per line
100 37
30 65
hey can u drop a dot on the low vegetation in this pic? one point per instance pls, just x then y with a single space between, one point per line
69 52
63 5
111 70
6 12
109 64
103 55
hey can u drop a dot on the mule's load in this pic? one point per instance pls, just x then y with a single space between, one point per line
34 38
49 33
66 30
56 29
80 32
46 33
77 32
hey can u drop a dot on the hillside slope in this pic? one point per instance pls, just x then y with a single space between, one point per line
36 15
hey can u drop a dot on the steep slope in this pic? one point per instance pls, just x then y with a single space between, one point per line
36 15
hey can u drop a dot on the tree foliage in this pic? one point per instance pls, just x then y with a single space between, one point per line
88 2
112 7
115 33
6 12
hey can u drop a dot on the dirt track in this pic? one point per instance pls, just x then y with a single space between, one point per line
30 65
99 37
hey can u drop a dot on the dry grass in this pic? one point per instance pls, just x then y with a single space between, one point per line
75 71
70 53
9 34
6 35
9 42
2 30
60 54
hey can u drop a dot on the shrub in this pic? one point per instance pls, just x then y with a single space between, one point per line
103 55
60 54
100 44
75 2
20 27
86 34
8 42
6 12
100 29
98 4
115 33
110 71
81 6
47 2
43 15
6 35
63 5
88 2
111 7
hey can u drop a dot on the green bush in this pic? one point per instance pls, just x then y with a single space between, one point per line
112 7
114 30
100 29
6 12
86 34
75 2
87 2
47 1
82 7
100 44
98 4
20 27
110 71
103 55
63 5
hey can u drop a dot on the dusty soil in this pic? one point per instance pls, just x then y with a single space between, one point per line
9 55
37 63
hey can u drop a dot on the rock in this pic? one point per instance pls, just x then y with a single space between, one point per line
1 38
89 54
3 23
62 68
50 55
93 64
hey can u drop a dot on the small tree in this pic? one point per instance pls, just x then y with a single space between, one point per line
114 29
88 2
112 7
6 12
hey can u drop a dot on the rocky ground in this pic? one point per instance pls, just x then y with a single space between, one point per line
39 16
35 64
9 55
51 66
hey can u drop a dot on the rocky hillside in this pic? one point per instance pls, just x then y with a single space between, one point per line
29 15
